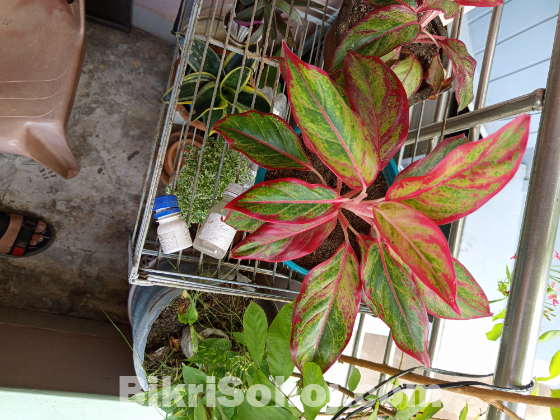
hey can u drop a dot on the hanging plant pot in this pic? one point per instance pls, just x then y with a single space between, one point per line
351 12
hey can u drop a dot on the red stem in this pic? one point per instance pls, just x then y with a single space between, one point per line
339 185
319 175
344 224
428 17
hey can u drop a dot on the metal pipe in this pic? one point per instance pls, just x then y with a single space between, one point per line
516 106
486 67
534 251
387 360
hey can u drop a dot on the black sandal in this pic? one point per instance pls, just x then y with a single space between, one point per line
16 232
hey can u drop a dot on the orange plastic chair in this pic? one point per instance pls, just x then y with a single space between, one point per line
42 46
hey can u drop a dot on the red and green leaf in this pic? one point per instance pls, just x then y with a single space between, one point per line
425 165
418 241
265 139
277 242
333 131
436 73
394 297
242 222
480 3
410 73
467 177
379 98
325 310
287 200
378 33
472 300
449 8
463 69
391 57
383 3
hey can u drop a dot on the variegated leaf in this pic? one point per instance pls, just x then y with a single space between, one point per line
463 69
436 73
467 177
188 87
425 165
234 77
450 8
383 3
337 134
471 298
265 139
395 300
245 99
418 241
277 242
377 95
391 57
234 60
242 222
378 33
211 60
326 309
480 3
409 71
205 100
287 200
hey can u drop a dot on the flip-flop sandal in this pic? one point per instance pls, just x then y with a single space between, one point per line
16 232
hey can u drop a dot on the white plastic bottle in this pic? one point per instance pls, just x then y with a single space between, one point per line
215 236
173 232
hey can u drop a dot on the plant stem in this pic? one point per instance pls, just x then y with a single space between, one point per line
428 17
319 175
486 395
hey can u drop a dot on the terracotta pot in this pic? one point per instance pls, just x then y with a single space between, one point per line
352 11
172 151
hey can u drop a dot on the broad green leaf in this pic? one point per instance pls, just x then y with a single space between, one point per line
330 128
378 33
242 222
425 165
200 411
495 332
240 337
325 310
501 315
234 77
354 379
450 8
391 57
254 331
549 335
430 411
217 114
204 100
436 73
248 412
277 242
287 200
186 94
555 412
169 399
554 368
276 398
312 399
212 352
464 412
211 61
245 99
278 354
379 98
463 69
290 11
234 60
396 300
191 315
409 71
467 177
373 415
265 139
471 299
419 241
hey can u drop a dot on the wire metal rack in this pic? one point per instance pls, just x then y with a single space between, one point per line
277 281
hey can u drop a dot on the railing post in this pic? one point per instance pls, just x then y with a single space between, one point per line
534 251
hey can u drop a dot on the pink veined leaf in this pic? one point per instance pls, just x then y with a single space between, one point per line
463 69
514 256
556 256
393 296
242 222
379 98
287 200
326 309
467 177
391 57
338 135
277 242
450 8
410 73
436 73
281 65
471 298
418 241
480 3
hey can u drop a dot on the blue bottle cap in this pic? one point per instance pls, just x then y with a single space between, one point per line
168 212
165 202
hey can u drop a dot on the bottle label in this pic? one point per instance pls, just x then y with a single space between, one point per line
168 241
217 232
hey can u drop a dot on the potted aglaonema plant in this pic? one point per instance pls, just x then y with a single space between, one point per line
409 37
404 269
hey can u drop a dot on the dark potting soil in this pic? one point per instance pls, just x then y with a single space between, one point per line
327 249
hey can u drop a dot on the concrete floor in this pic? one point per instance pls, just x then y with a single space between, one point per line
111 131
